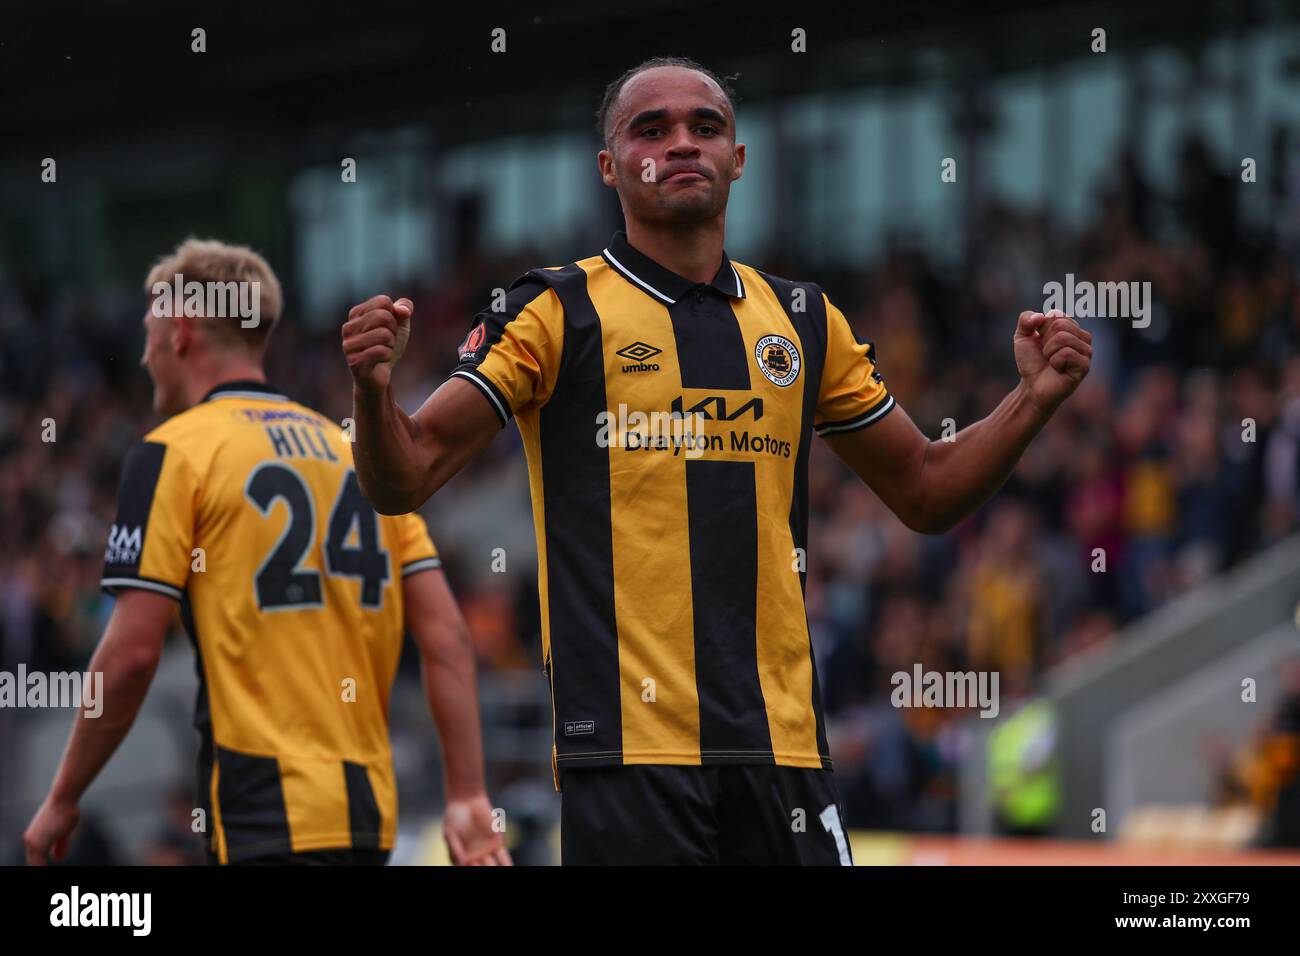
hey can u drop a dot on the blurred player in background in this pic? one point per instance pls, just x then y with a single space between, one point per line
244 509
688 718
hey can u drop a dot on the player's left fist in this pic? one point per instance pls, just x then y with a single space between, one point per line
470 827
50 831
1053 354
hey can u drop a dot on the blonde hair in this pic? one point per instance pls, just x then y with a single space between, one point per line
209 260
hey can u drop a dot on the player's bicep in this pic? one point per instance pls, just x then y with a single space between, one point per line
432 615
888 455
138 627
454 425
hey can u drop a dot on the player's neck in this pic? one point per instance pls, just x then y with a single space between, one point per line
693 252
208 377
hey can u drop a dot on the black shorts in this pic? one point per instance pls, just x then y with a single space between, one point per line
746 815
339 857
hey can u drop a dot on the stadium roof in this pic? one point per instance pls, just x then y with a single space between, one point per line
114 70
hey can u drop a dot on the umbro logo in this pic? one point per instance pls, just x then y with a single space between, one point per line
637 353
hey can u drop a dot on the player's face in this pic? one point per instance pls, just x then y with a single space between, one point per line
673 154
162 363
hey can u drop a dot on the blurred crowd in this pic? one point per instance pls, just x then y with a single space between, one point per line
1177 458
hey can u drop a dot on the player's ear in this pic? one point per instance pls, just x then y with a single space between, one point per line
738 166
182 332
605 162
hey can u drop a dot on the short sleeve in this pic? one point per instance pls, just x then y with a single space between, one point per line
512 354
416 549
150 543
853 394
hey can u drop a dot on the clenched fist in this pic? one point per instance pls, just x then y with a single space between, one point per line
374 338
1053 354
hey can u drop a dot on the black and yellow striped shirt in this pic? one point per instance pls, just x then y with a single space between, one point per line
246 509
670 571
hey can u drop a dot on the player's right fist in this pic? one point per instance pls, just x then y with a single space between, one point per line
374 338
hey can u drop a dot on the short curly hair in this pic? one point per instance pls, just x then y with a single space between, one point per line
616 87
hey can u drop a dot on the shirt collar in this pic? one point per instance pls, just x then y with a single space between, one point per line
660 283
246 388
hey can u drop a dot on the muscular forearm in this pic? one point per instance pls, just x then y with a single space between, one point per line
960 475
95 739
391 465
453 701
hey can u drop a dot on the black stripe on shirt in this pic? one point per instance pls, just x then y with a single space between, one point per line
579 538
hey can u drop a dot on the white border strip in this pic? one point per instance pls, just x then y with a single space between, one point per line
739 285
860 422
477 380
645 285
166 589
422 564
265 396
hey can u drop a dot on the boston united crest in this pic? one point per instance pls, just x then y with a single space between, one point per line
778 359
